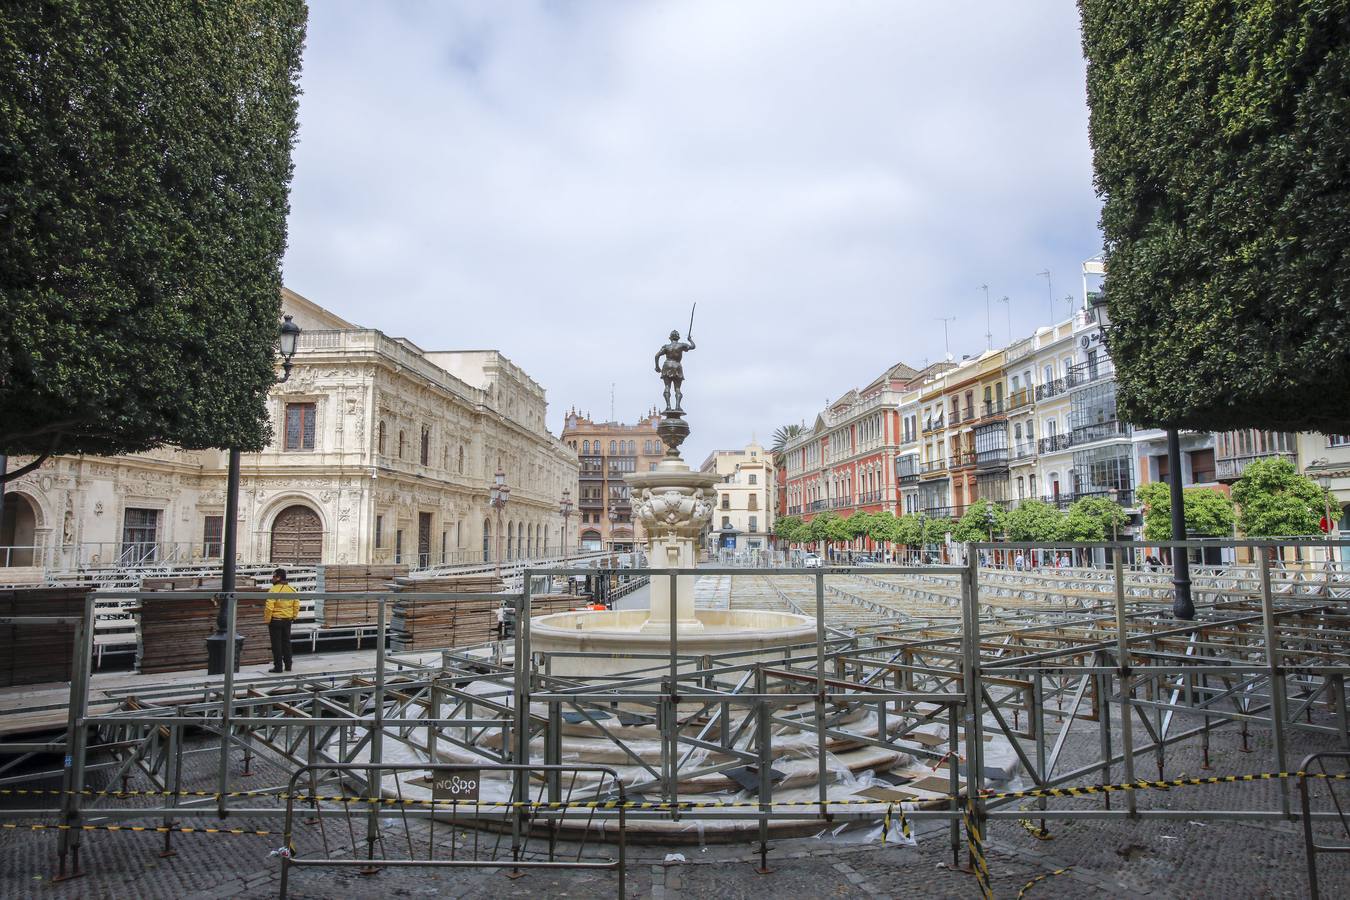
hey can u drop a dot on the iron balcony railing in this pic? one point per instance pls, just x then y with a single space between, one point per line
1055 443
816 505
1231 468
933 466
963 459
1050 389
841 502
870 497
939 512
1024 450
993 408
1019 399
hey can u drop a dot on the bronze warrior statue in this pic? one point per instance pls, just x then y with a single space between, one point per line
672 370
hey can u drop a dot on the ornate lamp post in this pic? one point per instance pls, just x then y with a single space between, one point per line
498 498
613 523
1323 480
565 509
215 644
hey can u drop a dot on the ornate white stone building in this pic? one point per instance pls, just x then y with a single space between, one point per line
381 452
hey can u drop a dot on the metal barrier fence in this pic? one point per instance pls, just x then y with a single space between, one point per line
1310 845
460 785
1031 659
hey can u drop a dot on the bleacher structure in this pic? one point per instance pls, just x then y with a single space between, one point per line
988 680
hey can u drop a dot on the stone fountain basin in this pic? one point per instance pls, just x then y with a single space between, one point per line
618 635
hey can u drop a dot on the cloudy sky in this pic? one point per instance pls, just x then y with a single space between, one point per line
562 180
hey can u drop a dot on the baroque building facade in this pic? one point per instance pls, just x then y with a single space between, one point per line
607 451
382 452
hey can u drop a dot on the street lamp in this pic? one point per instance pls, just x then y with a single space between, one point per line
289 338
613 523
498 498
1323 480
565 508
1115 495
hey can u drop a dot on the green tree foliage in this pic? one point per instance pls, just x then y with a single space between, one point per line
791 529
909 530
1093 518
974 525
883 527
1221 139
145 162
1036 520
820 526
1209 513
1275 501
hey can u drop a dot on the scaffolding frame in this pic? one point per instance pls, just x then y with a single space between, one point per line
1268 647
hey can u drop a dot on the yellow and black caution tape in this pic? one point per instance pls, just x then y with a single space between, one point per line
157 829
1083 791
886 823
1145 785
1036 831
1038 879
975 842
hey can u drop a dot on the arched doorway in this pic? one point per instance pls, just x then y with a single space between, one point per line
18 531
297 537
590 540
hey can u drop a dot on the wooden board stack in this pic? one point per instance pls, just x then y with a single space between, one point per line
351 579
171 631
423 624
32 654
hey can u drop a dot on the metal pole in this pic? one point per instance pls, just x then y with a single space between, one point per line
822 770
4 467
1276 676
1123 673
375 781
215 655
1182 606
226 706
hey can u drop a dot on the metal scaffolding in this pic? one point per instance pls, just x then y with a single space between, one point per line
1034 660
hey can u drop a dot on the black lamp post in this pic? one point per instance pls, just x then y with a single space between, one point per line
215 644
1182 606
565 508
498 497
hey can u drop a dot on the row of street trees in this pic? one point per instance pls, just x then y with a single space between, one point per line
1272 499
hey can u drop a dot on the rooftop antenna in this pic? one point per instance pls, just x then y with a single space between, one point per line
1068 305
1049 291
946 342
988 318
1008 303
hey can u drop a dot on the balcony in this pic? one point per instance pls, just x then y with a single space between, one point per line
816 505
1054 443
1050 389
939 512
992 459
1087 372
1019 399
1124 498
908 476
1025 450
841 502
933 467
794 510
870 497
1231 468
962 460
1061 501
993 409
931 425
591 503
967 415
1100 431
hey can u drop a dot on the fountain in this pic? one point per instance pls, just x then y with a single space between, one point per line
674 504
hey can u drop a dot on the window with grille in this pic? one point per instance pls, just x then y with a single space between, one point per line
300 426
213 528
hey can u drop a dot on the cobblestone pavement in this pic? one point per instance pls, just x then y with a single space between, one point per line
1165 858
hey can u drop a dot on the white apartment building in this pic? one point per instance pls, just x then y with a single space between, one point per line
743 516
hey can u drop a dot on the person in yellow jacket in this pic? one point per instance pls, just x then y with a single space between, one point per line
279 614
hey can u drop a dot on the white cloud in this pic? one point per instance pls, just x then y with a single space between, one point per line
562 180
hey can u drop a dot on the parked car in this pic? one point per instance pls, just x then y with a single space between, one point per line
813 562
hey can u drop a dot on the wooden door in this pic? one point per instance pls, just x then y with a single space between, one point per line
297 537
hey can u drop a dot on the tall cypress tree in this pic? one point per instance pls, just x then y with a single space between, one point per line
145 163
1221 139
